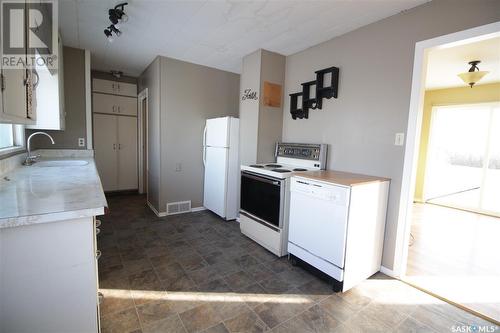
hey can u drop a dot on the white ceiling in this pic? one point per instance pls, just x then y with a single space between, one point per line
444 64
213 33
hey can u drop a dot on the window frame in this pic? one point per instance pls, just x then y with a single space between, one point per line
18 138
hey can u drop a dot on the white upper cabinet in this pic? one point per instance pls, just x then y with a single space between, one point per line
119 105
16 92
49 95
114 87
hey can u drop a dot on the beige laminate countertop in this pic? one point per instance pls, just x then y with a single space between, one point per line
341 177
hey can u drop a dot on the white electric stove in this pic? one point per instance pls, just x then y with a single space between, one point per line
265 193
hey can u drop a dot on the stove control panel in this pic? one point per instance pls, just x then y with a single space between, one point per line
314 152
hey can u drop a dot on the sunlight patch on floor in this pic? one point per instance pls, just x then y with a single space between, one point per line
205 296
466 289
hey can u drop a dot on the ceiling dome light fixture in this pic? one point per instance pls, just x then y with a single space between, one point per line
474 74
116 16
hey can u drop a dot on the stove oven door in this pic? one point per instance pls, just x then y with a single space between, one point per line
262 198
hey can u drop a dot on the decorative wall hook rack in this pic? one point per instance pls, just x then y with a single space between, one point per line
322 89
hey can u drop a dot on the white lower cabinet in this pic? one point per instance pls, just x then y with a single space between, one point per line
115 145
48 277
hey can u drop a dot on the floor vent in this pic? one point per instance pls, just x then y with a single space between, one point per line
178 207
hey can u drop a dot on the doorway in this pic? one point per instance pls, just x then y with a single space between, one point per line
447 222
142 107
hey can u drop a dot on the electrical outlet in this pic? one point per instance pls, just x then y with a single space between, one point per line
178 167
399 139
81 142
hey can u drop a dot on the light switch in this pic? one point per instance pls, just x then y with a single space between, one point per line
178 167
81 142
399 139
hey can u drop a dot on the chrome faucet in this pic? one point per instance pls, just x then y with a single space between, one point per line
29 158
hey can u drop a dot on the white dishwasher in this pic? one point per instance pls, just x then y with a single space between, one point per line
318 219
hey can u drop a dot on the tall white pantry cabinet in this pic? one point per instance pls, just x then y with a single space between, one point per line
114 108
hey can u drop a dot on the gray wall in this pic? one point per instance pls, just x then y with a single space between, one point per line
150 79
260 126
74 105
249 108
375 80
182 96
191 94
270 118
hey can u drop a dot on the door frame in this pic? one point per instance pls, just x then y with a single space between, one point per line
143 126
413 133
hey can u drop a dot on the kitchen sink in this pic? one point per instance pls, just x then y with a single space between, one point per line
61 163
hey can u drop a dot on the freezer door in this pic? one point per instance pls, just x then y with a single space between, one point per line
217 132
215 187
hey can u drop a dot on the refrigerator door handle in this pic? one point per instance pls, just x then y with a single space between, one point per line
204 146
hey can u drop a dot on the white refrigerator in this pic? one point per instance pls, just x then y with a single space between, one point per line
222 168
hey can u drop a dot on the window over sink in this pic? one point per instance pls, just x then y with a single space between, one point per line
11 138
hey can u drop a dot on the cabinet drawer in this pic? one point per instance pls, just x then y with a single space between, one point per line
114 87
119 105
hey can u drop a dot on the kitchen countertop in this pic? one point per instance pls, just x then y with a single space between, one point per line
341 177
39 194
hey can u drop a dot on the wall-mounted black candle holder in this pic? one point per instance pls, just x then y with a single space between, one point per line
322 89
327 89
294 107
309 102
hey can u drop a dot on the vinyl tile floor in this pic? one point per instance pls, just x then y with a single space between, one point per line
197 273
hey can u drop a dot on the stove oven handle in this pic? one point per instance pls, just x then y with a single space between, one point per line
262 179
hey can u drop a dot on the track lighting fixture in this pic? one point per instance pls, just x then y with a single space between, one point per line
108 34
116 16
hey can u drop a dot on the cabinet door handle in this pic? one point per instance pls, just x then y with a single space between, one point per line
114 146
113 86
119 111
118 87
119 146
35 74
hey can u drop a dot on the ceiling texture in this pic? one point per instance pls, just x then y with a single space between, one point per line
445 64
214 33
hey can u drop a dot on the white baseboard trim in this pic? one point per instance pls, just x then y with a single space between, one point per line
198 209
387 271
162 214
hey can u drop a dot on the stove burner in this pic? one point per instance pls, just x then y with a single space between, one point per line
256 166
299 169
280 170
273 166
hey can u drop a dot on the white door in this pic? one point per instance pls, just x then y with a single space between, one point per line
217 132
106 150
127 153
215 185
321 228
